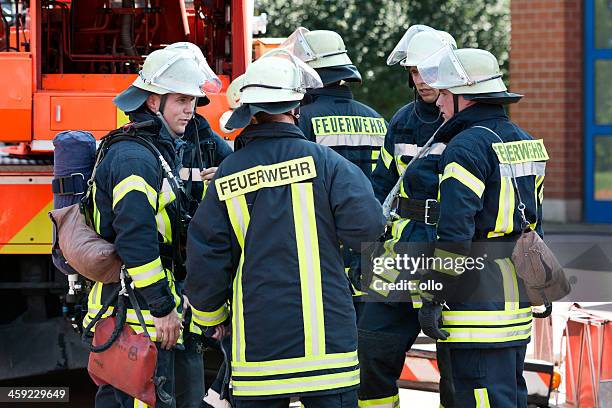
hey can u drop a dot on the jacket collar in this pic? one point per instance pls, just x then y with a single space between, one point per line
429 111
469 117
158 134
272 130
337 91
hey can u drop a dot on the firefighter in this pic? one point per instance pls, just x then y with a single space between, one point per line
489 167
279 205
198 165
136 207
331 117
388 328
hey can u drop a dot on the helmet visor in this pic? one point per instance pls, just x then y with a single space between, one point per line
443 70
185 73
308 78
297 45
399 52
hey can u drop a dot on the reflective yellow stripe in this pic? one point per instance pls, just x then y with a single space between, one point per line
540 185
415 295
210 318
294 365
387 402
96 211
134 183
445 262
399 163
375 155
487 334
139 404
239 218
302 198
460 173
295 385
511 291
486 317
164 226
387 157
505 213
397 229
482 398
147 274
273 175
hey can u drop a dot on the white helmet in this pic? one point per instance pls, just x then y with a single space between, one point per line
233 100
174 69
233 92
275 83
278 76
418 43
319 48
467 71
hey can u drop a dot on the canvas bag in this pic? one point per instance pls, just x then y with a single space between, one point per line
535 263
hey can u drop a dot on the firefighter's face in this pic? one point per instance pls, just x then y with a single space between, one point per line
446 104
428 94
177 111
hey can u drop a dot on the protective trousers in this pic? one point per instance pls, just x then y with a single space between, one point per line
189 372
346 399
386 332
489 378
110 397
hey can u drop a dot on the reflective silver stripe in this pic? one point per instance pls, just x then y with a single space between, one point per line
405 149
482 398
359 139
508 205
511 295
305 224
436 148
301 365
213 399
210 317
148 274
499 318
239 217
195 174
302 384
410 149
529 168
507 334
133 183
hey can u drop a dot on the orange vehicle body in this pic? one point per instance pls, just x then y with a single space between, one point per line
59 70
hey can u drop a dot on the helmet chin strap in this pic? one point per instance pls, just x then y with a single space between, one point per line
416 109
455 104
167 126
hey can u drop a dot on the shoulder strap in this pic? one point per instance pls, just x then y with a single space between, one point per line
521 206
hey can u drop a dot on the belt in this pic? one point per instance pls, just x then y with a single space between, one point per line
73 184
426 211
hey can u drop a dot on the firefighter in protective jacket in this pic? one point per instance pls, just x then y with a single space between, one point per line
136 207
389 324
490 167
266 240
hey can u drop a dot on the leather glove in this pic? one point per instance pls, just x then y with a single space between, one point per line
430 318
